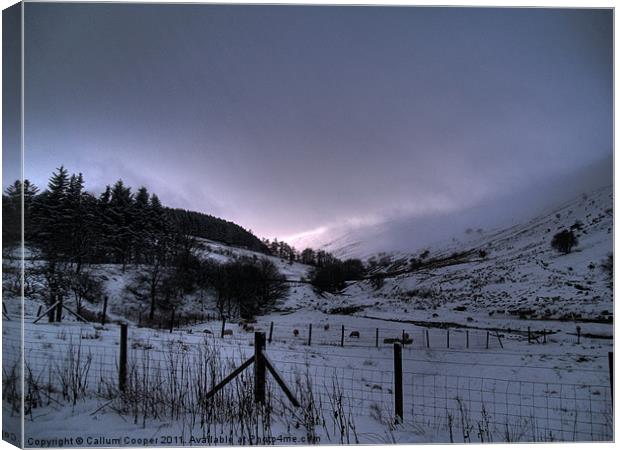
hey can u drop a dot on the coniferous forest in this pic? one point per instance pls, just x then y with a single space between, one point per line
71 230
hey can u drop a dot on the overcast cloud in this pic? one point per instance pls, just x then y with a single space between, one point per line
286 119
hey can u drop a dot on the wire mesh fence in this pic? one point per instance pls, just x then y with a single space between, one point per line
442 387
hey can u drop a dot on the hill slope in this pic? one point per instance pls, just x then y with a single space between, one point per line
520 276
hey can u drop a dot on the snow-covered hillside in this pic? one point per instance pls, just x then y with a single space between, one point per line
505 274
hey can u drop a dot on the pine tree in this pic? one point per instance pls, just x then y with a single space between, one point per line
122 217
141 224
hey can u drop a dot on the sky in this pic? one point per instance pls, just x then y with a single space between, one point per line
290 120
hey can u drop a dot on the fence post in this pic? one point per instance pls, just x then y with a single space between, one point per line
39 310
172 320
59 309
377 338
428 340
467 338
309 334
487 340
122 359
223 326
578 335
398 382
448 337
544 335
342 337
610 359
259 367
529 336
270 332
105 309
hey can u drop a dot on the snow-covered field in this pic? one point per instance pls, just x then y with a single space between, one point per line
521 392
470 373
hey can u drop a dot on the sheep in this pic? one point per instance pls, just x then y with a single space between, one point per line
228 332
355 334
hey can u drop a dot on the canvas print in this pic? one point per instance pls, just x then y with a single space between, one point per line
306 225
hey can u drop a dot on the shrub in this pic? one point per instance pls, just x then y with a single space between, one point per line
353 269
608 268
564 241
332 276
245 287
329 278
377 282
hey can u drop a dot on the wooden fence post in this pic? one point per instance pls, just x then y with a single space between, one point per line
172 320
59 309
270 332
428 339
223 326
309 334
259 367
377 338
610 361
342 337
39 310
398 382
122 359
105 309
467 338
447 337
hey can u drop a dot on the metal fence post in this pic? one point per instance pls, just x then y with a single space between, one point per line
122 359
610 359
259 367
398 382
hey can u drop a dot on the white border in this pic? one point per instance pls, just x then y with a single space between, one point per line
474 3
